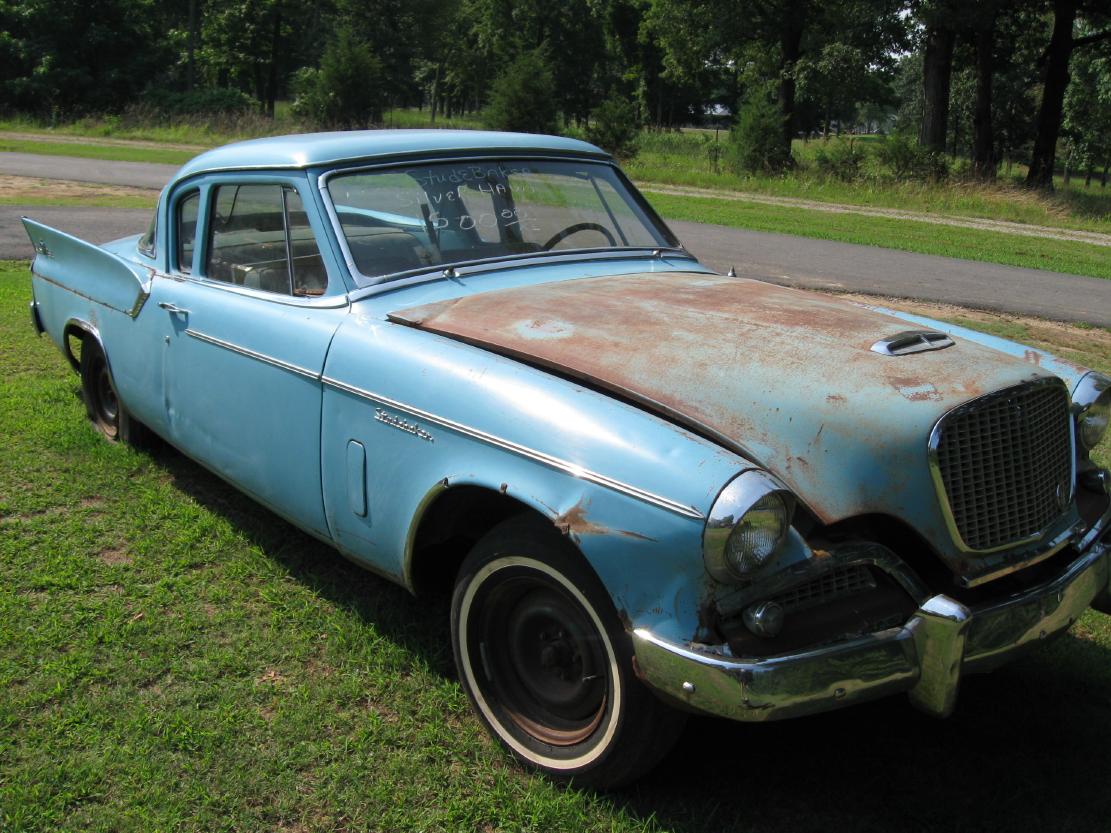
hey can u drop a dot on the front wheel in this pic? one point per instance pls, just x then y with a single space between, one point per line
547 665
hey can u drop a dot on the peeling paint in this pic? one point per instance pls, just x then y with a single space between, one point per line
574 522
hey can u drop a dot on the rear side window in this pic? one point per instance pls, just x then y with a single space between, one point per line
261 239
187 230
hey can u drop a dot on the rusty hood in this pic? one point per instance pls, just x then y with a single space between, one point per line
785 377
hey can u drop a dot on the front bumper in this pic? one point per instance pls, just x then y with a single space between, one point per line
926 657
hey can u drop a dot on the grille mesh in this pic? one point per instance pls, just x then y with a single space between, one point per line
837 583
1002 461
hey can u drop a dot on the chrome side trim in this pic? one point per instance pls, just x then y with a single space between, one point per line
133 312
251 354
939 483
530 453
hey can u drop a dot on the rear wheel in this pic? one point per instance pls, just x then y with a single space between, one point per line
102 402
547 665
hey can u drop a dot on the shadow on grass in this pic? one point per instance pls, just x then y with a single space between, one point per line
1029 747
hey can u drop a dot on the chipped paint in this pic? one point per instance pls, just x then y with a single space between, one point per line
782 377
573 522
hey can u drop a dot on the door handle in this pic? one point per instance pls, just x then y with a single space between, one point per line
173 309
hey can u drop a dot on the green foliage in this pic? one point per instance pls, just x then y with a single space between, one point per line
905 159
346 91
209 101
61 58
841 160
756 141
522 98
614 127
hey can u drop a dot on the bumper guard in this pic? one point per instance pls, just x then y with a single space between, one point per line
926 657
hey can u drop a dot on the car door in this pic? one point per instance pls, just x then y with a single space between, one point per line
249 318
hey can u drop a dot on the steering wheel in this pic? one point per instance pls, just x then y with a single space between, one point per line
575 229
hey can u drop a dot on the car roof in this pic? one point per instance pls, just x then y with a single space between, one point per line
308 150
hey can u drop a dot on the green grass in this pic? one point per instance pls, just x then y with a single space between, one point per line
907 235
684 159
90 201
174 657
167 156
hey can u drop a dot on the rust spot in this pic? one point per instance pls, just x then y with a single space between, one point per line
1033 357
1079 368
575 522
836 399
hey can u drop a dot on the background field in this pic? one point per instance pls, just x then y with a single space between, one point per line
175 657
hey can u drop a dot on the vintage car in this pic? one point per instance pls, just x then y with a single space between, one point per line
481 361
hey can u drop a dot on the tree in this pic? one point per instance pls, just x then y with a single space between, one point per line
347 91
755 142
774 33
1057 55
69 58
1087 111
522 98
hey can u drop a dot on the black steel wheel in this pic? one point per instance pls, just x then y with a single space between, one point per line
102 403
546 663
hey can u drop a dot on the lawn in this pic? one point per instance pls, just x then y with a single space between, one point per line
1070 256
175 657
686 159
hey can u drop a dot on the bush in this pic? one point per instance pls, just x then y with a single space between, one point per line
213 101
522 98
841 160
756 142
614 127
346 92
906 159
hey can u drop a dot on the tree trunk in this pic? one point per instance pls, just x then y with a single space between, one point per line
1103 179
791 44
191 63
272 71
983 140
1088 175
1057 56
937 70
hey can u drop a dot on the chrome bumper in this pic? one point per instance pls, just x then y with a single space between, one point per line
926 657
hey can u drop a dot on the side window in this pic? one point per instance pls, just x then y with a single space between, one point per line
261 239
187 230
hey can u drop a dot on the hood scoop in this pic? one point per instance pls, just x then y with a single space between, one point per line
912 341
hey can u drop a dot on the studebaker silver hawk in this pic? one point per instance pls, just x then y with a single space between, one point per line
481 360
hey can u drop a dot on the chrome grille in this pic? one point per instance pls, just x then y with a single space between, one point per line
1005 464
836 584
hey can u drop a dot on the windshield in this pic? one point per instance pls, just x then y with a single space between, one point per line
399 220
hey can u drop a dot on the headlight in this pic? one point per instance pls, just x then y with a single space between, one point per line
1092 400
747 524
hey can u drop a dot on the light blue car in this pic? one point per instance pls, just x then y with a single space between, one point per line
481 361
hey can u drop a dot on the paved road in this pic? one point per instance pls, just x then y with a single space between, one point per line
846 267
135 174
780 258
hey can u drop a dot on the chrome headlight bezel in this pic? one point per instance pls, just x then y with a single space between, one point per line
1091 405
734 502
